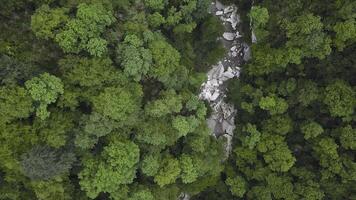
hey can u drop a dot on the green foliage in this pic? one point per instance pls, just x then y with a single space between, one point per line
168 172
44 163
302 147
275 105
44 89
157 132
142 195
169 103
348 137
116 165
55 130
123 101
306 33
253 136
308 93
135 59
13 71
150 164
237 186
156 19
311 130
182 125
15 103
340 99
52 190
329 158
276 153
345 33
258 18
278 124
119 103
87 72
166 62
155 4
46 20
189 172
93 127
113 84
77 34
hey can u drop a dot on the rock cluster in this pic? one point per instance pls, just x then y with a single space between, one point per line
222 119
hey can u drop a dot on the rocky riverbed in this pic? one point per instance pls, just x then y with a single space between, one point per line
222 119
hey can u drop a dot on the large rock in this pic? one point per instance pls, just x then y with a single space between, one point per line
234 20
247 52
253 37
219 5
229 36
219 13
238 34
229 9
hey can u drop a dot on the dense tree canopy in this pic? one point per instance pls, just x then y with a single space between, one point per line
296 104
99 100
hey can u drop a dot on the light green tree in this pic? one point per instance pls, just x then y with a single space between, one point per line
116 166
134 58
120 104
340 99
155 4
258 18
169 102
46 20
306 33
311 130
345 33
189 172
238 186
45 90
150 164
276 152
15 103
274 104
168 172
166 61
348 137
74 34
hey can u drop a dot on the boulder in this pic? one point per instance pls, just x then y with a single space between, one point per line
219 5
229 36
253 37
247 52
214 96
229 9
219 12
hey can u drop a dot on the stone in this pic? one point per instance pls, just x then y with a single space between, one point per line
228 128
228 9
229 36
247 52
238 34
253 37
214 96
214 82
233 19
219 12
228 145
219 5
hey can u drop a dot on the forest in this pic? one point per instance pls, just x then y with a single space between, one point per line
99 100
